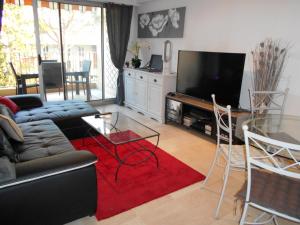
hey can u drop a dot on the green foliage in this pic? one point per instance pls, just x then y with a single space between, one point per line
16 39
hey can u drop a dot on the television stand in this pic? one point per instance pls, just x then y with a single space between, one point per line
196 114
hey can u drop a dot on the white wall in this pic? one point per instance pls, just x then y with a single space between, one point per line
237 26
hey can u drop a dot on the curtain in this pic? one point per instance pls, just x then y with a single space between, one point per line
1 11
118 18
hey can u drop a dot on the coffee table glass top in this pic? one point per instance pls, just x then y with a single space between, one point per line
119 128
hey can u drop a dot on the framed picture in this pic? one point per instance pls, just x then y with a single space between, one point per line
162 24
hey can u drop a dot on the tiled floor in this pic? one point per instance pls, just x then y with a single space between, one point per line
188 206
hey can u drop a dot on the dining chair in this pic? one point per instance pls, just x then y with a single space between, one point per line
267 101
273 184
52 76
20 83
85 73
234 155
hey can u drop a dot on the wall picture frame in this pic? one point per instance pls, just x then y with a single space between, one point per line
167 23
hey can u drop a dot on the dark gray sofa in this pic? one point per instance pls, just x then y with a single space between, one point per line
44 180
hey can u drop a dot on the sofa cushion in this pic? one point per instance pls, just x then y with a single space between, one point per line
27 101
9 103
5 147
41 139
56 111
6 112
11 128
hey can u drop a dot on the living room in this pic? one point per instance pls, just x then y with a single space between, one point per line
173 184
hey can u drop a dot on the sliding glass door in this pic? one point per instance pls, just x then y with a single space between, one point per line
17 46
49 34
74 49
81 38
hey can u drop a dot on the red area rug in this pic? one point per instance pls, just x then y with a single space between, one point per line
135 185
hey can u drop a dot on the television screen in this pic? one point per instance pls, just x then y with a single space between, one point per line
200 74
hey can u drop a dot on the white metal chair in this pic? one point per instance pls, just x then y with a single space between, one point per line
234 155
267 101
274 188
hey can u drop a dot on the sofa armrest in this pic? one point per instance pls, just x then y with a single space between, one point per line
55 164
7 170
27 101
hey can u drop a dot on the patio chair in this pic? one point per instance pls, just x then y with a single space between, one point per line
273 184
234 155
20 82
52 76
84 81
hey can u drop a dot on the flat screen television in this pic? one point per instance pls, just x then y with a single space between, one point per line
200 74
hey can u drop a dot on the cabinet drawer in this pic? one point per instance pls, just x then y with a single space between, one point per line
129 73
141 76
155 80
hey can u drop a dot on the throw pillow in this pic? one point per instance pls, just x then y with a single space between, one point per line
11 128
6 148
9 103
7 112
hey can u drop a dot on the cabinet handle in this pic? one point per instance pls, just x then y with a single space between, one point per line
129 74
141 77
155 80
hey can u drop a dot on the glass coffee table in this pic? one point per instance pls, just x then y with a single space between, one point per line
121 130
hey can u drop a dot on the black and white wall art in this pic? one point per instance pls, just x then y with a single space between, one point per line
162 24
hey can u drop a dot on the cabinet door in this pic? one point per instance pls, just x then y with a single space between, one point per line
155 99
141 94
130 90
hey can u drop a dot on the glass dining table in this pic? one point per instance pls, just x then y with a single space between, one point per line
284 128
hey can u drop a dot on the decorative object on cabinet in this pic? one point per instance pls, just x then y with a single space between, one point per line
136 62
268 63
167 57
135 50
145 92
162 24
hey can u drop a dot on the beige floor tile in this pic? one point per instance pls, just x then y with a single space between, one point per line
192 205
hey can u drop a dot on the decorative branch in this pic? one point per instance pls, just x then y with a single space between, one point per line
268 64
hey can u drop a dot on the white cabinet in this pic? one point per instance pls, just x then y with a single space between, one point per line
141 94
154 99
130 90
145 92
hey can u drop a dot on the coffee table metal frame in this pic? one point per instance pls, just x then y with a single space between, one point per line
115 154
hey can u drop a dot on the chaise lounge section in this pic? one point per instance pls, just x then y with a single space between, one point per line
44 180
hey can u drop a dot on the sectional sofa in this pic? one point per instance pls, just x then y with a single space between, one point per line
44 180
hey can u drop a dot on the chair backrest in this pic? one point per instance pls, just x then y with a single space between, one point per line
52 75
223 118
272 161
86 66
13 70
267 101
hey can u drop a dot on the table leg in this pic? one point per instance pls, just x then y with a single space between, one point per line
122 161
88 90
23 89
77 85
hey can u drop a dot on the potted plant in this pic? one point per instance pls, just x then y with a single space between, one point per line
135 50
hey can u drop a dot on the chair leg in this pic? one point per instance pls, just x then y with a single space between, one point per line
83 86
244 214
72 88
217 155
227 170
275 220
